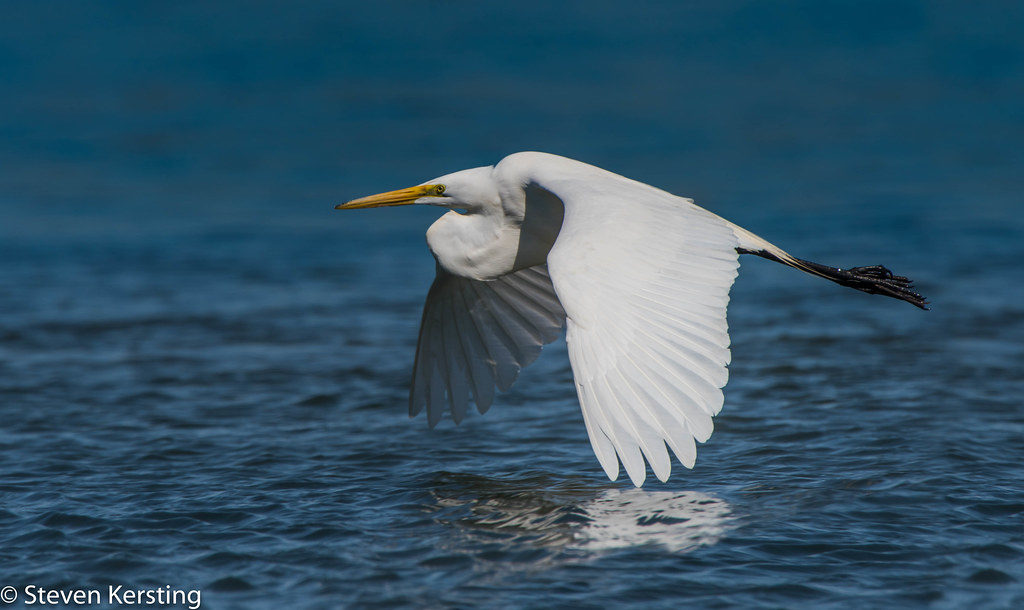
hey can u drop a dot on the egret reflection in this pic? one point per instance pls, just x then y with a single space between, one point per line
678 521
579 520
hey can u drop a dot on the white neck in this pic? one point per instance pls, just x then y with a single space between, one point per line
497 241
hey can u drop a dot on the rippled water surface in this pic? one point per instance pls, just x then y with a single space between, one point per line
204 370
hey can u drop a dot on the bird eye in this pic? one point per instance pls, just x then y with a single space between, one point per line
439 189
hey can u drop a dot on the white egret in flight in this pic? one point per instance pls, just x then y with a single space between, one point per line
638 277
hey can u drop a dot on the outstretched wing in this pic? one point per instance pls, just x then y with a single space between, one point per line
476 335
644 278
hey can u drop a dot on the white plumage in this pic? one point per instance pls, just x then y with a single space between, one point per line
639 277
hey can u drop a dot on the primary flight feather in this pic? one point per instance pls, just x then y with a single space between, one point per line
638 277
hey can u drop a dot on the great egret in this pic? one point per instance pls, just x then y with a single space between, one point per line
639 277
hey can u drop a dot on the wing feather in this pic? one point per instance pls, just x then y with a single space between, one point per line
480 370
591 399
601 443
459 371
644 279
477 335
500 346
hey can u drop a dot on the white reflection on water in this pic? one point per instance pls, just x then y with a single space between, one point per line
577 520
677 521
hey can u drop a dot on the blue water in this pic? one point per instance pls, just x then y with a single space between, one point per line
203 368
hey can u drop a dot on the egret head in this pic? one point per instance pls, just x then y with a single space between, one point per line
471 190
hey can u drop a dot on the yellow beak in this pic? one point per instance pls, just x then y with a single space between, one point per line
399 197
